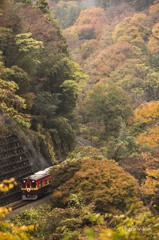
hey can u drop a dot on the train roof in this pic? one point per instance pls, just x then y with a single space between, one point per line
38 175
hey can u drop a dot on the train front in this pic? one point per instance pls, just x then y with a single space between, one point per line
29 188
36 185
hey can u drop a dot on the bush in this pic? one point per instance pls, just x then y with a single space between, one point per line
99 182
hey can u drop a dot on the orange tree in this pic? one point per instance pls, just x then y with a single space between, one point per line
99 182
146 118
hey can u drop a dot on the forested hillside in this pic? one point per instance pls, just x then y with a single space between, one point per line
117 45
87 68
38 78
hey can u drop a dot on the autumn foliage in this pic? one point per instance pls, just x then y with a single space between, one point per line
147 116
147 113
9 231
99 182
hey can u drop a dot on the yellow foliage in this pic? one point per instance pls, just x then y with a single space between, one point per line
149 138
155 30
154 8
106 234
151 184
149 160
131 29
147 112
98 233
153 173
7 184
9 231
4 211
153 43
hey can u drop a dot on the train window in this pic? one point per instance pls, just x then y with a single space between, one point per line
28 184
23 184
34 184
45 181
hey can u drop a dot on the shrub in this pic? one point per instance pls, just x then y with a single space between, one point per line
99 182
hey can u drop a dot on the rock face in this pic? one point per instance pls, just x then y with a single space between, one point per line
13 163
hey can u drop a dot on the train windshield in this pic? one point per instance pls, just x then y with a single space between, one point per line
33 184
28 184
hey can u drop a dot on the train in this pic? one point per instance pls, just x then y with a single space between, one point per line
36 185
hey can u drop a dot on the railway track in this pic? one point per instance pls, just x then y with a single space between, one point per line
22 205
17 204
83 142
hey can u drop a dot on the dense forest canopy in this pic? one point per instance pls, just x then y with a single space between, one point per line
118 48
68 11
36 66
88 68
117 44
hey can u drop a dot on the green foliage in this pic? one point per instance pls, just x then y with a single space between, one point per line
45 104
42 5
59 223
66 13
5 38
80 221
31 216
136 228
26 1
20 49
11 104
19 76
57 68
131 29
110 105
26 43
87 33
121 147
80 153
68 96
36 59
152 86
139 5
66 135
26 55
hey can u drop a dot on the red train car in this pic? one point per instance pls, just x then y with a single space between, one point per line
35 185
